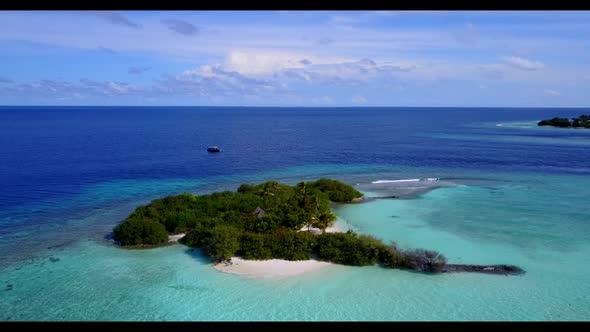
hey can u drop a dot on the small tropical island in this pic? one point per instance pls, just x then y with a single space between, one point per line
274 221
583 121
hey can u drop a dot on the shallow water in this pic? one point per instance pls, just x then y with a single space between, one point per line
522 203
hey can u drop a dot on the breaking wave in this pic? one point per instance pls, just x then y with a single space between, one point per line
404 180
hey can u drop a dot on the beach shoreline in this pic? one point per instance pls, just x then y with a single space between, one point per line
270 268
175 237
333 229
275 267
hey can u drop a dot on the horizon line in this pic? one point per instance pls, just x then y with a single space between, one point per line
250 106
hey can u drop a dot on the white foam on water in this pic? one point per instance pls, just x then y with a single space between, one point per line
404 180
393 181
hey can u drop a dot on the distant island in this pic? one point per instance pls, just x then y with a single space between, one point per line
583 121
275 221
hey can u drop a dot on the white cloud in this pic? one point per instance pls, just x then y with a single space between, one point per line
62 90
522 63
552 93
108 88
208 81
261 62
349 72
214 80
312 69
359 100
69 29
322 100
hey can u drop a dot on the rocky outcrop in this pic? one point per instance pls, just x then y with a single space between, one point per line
431 261
367 199
489 269
385 197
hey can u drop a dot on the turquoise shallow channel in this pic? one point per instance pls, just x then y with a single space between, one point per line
502 218
481 186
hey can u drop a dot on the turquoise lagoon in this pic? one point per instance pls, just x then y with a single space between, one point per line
522 219
509 194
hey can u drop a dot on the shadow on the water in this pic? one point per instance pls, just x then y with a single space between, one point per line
62 245
499 270
110 236
198 256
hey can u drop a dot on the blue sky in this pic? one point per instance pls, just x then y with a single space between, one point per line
295 58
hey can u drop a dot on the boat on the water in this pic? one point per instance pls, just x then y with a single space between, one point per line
213 149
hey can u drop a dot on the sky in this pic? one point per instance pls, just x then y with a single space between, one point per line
296 58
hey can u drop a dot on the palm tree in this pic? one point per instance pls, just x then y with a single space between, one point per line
269 189
325 220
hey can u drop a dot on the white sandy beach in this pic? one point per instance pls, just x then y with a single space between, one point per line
175 238
275 267
270 268
332 229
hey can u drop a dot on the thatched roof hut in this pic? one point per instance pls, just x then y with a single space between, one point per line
259 212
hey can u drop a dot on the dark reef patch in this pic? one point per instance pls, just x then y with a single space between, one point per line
489 269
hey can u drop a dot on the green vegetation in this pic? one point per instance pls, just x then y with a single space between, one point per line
583 121
424 260
265 221
352 249
336 190
284 207
139 229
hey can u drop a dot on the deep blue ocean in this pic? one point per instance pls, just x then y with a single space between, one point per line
51 152
71 173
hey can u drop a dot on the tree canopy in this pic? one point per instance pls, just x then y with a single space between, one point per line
289 207
583 121
227 224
